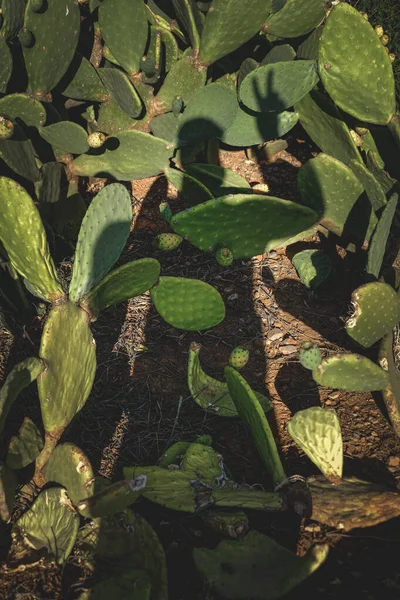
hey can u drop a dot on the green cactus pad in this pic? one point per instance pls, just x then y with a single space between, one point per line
25 447
376 250
211 394
69 466
249 498
171 49
165 211
128 281
279 85
122 91
13 17
112 498
224 257
203 462
50 523
371 185
255 567
364 88
82 81
323 123
188 304
8 486
331 188
69 350
19 378
193 190
18 153
208 114
295 18
112 119
317 431
130 584
166 127
376 308
219 180
228 221
184 79
310 356
24 238
239 357
67 136
168 241
53 187
137 156
350 372
230 524
309 49
280 53
250 128
228 25
124 28
247 66
251 412
391 393
6 65
313 267
56 32
103 234
21 106
173 455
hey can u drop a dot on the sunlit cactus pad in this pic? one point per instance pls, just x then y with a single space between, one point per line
350 372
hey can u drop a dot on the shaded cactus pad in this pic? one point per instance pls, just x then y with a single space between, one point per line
313 267
310 356
25 447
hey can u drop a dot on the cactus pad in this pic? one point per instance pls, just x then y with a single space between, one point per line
6 65
8 486
376 311
128 281
55 32
277 86
17 151
183 80
112 119
251 412
191 189
68 347
122 91
112 498
229 524
363 88
391 393
124 28
239 357
246 224
82 81
67 136
369 182
255 567
50 523
280 53
350 372
317 431
128 155
103 234
25 447
295 18
219 180
313 267
21 106
168 241
376 250
24 238
310 356
19 378
228 25
188 304
224 257
68 466
250 128
173 455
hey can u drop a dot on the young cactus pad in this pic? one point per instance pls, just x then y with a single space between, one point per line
239 357
255 567
228 221
317 431
103 234
50 523
251 412
350 372
376 311
25 447
168 241
188 304
310 356
23 236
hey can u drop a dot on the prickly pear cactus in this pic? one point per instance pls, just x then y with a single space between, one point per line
224 257
168 241
24 447
391 393
239 357
113 498
350 372
219 180
8 486
376 251
310 356
229 524
313 267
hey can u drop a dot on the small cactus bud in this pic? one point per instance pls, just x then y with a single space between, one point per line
96 139
165 211
6 128
310 356
26 38
361 131
365 15
177 106
379 31
392 56
224 257
357 138
385 39
239 358
168 241
37 5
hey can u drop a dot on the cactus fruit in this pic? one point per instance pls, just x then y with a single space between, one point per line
50 523
25 447
103 234
373 73
384 39
128 281
376 308
177 106
165 211
277 86
26 38
6 128
168 241
67 136
391 393
310 356
96 139
251 412
191 188
350 372
219 180
295 19
188 304
313 267
226 222
8 486
317 431
377 248
255 567
224 257
239 357
379 31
